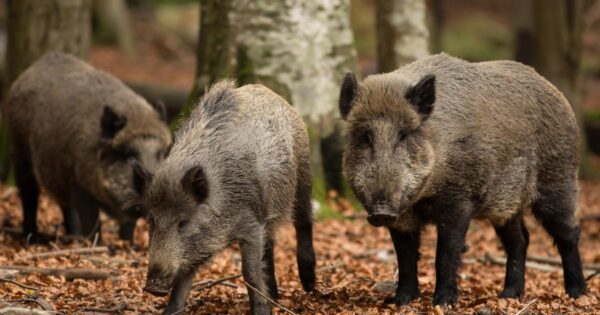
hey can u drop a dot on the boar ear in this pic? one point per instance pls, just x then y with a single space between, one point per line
347 94
161 108
422 95
111 123
194 182
141 177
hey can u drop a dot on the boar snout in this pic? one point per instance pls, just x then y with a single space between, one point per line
158 283
382 215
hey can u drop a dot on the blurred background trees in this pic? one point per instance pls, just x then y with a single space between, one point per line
171 50
34 28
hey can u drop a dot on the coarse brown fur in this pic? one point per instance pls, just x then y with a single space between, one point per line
239 167
59 112
442 141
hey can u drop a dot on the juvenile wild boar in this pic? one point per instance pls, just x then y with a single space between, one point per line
443 141
238 168
74 130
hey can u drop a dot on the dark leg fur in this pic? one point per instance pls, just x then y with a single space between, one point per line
515 239
407 253
450 244
556 211
126 230
71 221
29 192
254 275
89 212
179 293
269 262
305 252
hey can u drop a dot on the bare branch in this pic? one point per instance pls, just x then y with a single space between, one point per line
67 252
24 286
526 307
269 299
69 274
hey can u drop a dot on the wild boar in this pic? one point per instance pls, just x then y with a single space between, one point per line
238 168
74 130
442 141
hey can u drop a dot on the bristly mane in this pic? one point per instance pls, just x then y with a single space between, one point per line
214 111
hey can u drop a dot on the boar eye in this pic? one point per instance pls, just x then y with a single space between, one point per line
182 224
364 138
401 136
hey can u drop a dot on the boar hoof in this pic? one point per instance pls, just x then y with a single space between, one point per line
510 293
445 298
382 219
401 298
576 291
156 291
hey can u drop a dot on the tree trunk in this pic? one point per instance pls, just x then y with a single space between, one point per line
402 36
214 56
438 22
558 28
34 28
112 24
301 50
524 36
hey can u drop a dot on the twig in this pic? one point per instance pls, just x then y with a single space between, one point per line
592 275
528 264
526 307
67 252
18 284
69 274
25 311
557 261
38 300
269 299
115 309
207 284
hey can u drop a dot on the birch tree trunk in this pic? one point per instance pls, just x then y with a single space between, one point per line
402 35
558 26
301 50
34 28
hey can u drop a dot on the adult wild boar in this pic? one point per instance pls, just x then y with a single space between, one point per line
443 141
238 168
74 131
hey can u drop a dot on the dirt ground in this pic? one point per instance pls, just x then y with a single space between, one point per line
355 264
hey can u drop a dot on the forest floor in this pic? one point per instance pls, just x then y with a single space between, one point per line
356 265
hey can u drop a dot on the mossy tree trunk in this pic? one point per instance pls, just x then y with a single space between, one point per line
402 35
34 28
215 52
558 26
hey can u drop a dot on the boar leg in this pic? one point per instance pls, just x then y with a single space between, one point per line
515 238
179 293
71 220
29 192
269 262
89 212
452 230
305 252
407 254
126 230
556 210
252 270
